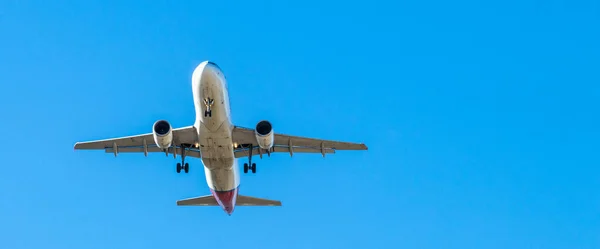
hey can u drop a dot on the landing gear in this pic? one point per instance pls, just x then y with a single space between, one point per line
208 102
250 165
183 165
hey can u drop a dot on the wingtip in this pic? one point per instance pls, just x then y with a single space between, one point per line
76 146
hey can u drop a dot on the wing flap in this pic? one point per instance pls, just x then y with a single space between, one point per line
191 152
181 135
135 140
244 152
314 142
283 142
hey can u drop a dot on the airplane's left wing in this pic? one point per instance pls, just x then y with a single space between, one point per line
143 143
289 144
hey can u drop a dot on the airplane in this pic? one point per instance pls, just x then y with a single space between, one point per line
217 142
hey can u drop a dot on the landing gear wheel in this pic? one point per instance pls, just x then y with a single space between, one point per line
186 168
245 168
254 168
178 167
207 113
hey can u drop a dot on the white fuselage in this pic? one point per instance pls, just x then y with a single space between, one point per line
214 132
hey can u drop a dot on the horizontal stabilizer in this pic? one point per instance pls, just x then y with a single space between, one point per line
207 200
242 200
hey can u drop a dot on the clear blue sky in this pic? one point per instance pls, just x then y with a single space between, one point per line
482 121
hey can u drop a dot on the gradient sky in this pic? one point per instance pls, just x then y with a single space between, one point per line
482 120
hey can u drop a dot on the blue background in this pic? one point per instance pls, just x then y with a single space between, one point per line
481 120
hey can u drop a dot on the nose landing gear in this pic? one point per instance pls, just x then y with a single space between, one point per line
208 102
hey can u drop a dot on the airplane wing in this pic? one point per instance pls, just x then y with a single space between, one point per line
289 144
144 143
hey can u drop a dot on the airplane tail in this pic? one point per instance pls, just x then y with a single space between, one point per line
242 200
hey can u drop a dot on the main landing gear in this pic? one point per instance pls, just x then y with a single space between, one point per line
208 102
250 165
183 165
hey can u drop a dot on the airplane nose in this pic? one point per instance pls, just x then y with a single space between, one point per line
198 72
207 70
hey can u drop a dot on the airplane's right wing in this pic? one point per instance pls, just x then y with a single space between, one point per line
290 144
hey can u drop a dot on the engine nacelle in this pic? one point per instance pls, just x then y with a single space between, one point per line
163 134
264 134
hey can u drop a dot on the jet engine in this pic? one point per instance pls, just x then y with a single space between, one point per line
264 134
163 134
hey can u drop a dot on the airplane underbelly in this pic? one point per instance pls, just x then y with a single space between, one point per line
214 125
221 175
